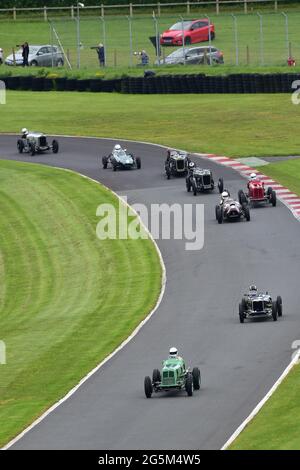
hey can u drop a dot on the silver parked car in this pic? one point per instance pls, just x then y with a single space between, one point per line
41 56
194 55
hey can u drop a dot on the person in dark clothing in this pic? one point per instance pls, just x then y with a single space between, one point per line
25 53
101 54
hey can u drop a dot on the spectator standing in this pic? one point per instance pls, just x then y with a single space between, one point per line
144 58
101 54
25 54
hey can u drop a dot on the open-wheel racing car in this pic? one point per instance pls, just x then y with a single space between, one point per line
35 142
229 209
257 193
177 163
256 304
121 159
174 376
201 180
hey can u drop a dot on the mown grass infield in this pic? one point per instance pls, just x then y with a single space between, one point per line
232 125
67 299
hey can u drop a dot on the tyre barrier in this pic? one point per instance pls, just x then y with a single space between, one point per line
161 84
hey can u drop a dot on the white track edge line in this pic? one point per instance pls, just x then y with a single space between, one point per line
123 344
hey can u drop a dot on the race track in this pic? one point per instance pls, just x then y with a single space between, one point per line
198 314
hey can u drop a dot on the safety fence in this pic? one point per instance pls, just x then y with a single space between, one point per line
193 83
255 39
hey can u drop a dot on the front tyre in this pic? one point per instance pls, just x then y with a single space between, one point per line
221 185
241 312
196 378
148 387
273 198
247 213
20 145
32 149
219 215
156 376
279 305
274 311
189 384
55 146
104 162
138 163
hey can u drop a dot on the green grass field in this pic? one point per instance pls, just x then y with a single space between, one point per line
276 427
233 125
67 299
274 53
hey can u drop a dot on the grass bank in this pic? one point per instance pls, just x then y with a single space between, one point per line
67 299
233 125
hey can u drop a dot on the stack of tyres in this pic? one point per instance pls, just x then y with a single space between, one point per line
176 82
60 83
118 85
71 84
268 83
11 83
96 85
25 83
199 81
83 85
108 86
218 84
159 85
150 85
167 84
259 83
49 84
225 85
136 85
247 83
125 85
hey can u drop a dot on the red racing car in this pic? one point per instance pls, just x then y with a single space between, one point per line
192 31
256 192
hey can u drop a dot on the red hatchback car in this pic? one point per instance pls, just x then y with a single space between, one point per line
193 31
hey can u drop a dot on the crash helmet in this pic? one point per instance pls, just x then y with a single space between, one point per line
24 131
253 288
173 352
225 195
253 176
117 147
191 165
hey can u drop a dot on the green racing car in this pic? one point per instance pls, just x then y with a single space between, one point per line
174 376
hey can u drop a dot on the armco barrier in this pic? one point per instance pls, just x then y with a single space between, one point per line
161 84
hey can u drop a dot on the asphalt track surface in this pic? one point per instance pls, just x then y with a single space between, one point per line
198 314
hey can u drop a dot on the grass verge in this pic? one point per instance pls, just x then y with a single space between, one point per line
276 427
287 173
67 299
232 125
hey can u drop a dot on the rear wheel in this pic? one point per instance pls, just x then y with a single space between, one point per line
148 387
274 311
104 162
220 185
55 146
273 198
279 305
269 191
189 384
20 145
247 213
242 311
242 197
194 188
219 214
156 377
196 378
138 163
32 149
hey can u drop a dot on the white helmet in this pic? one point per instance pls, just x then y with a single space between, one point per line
117 147
191 165
24 130
225 195
253 176
173 352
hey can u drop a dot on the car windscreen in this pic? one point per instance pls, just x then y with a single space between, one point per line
178 26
